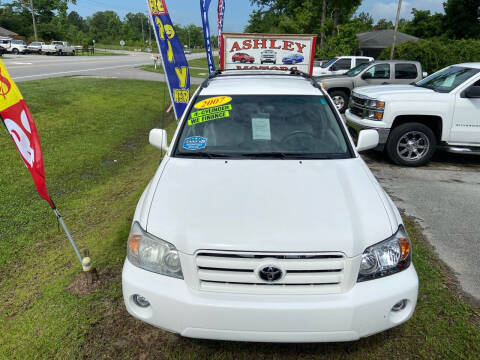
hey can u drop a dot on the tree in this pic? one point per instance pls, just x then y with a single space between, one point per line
383 24
105 26
461 19
76 20
424 25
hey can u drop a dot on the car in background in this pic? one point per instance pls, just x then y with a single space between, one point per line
13 46
292 237
35 47
58 47
293 59
340 65
268 56
441 111
243 58
339 87
187 51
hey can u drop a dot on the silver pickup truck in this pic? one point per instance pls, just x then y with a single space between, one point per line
385 72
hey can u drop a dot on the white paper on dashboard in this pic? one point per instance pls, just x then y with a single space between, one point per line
261 127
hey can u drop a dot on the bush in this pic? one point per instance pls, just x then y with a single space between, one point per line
437 53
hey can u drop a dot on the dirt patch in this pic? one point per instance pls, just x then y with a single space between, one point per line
80 286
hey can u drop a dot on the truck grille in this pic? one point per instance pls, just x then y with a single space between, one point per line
302 273
357 106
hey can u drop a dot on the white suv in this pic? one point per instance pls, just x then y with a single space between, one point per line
263 223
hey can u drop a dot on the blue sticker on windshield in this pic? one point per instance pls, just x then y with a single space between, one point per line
195 143
323 101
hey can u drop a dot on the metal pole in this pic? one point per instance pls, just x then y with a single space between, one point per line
396 29
33 19
69 236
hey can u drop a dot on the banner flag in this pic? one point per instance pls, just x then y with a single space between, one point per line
173 57
221 13
19 122
204 6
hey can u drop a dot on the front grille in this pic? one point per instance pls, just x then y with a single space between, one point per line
303 273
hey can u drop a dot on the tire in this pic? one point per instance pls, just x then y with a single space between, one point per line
294 62
60 52
73 53
340 99
15 51
39 52
242 61
411 144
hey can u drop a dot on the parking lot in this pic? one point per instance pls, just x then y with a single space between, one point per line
445 199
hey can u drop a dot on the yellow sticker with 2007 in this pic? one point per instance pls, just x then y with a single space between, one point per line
213 101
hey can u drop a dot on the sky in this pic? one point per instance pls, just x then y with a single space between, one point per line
237 11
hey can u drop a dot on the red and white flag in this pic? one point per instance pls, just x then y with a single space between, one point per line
19 122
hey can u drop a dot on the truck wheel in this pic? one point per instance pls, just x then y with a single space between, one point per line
340 99
15 51
73 53
411 144
60 53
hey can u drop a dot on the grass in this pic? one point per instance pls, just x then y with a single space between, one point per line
198 67
98 52
94 135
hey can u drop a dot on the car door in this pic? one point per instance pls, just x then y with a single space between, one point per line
405 73
466 116
377 74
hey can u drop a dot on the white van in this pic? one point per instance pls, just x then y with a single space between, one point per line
340 65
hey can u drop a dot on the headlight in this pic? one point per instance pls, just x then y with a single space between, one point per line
387 257
376 104
153 254
374 115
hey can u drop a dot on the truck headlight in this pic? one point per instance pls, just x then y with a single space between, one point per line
376 104
387 257
153 254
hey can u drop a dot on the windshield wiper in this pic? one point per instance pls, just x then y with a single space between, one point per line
283 155
204 154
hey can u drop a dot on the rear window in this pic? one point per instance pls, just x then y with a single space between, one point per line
362 61
405 71
265 126
343 64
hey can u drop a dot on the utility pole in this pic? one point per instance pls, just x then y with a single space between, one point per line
396 29
33 19
143 33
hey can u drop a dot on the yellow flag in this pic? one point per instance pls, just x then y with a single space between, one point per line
9 92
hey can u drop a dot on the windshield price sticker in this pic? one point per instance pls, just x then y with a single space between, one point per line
212 102
195 143
198 114
219 112
261 127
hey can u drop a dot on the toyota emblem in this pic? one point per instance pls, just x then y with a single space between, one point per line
270 273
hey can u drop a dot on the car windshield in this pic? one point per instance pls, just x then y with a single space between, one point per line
329 62
357 69
18 42
447 79
265 126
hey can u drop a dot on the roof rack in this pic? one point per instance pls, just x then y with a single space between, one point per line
292 72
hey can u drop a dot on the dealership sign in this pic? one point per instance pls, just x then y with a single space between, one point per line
268 51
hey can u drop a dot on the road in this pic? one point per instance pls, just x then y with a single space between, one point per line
445 197
35 67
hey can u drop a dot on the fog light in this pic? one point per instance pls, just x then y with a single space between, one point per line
399 306
140 301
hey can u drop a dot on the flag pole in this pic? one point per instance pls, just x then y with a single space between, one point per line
69 236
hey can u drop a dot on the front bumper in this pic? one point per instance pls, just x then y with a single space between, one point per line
358 124
360 312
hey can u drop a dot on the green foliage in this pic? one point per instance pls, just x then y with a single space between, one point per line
461 19
424 25
383 24
436 53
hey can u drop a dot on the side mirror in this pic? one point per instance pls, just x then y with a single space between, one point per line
425 74
473 92
158 138
367 139
367 75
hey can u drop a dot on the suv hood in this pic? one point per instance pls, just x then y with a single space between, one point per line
269 205
386 90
